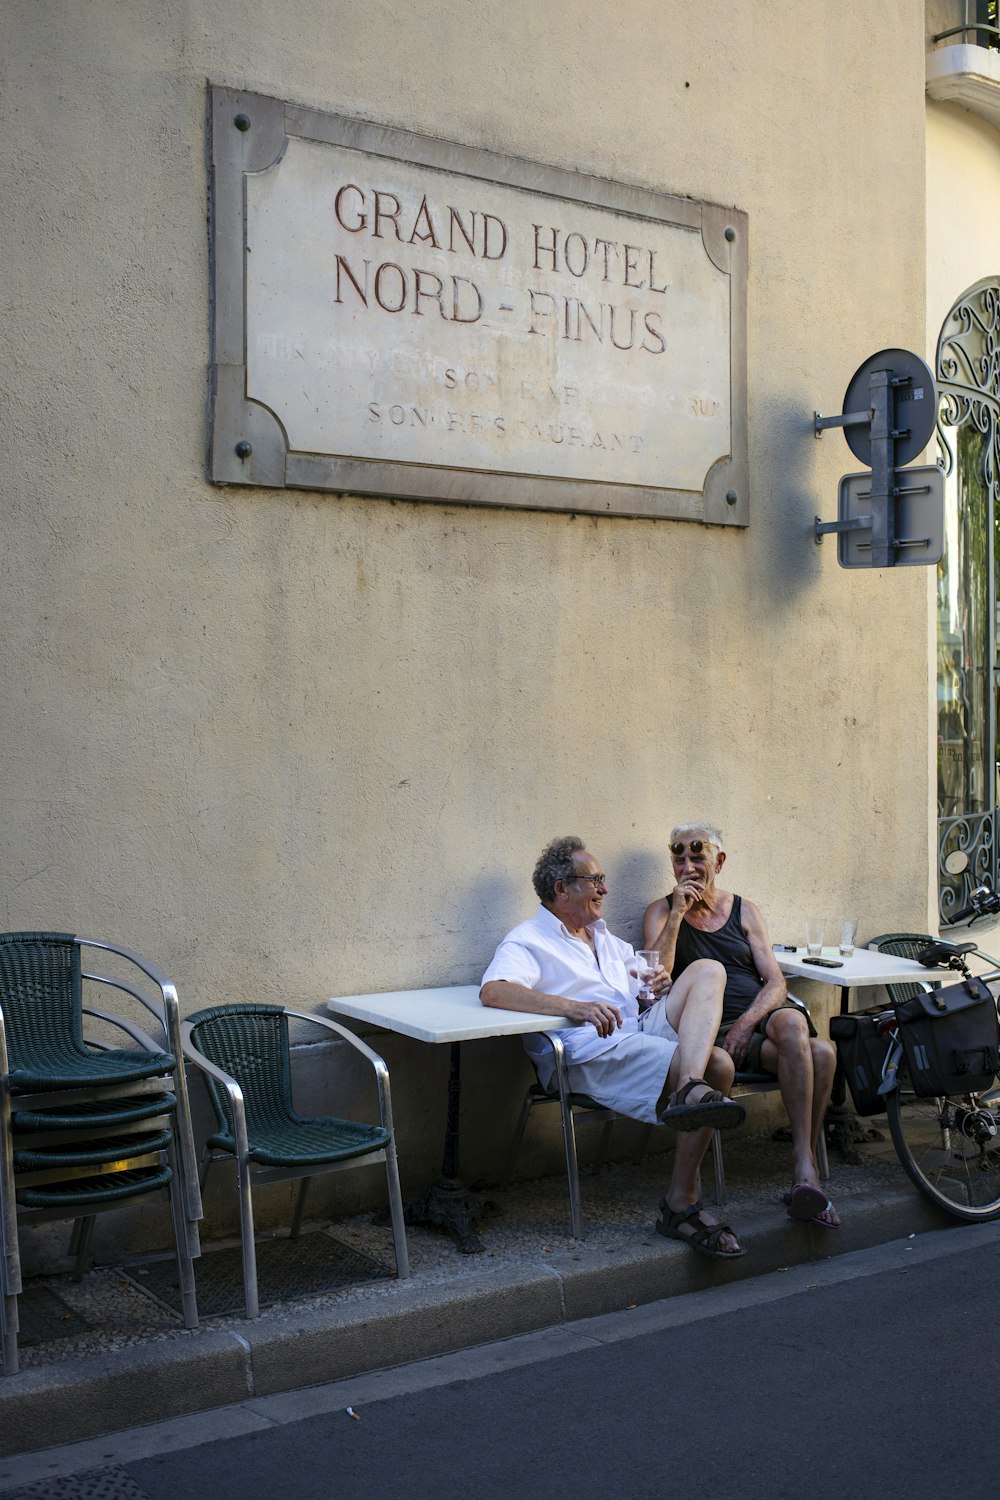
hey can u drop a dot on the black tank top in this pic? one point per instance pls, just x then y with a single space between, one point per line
730 947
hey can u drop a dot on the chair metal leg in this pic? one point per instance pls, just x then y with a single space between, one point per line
515 1144
247 1238
643 1147
207 1158
300 1204
8 1205
179 1223
822 1158
569 1137
83 1234
396 1213
8 1325
718 1169
602 1147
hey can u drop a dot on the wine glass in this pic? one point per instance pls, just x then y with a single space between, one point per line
647 961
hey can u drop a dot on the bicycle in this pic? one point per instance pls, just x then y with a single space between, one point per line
948 1144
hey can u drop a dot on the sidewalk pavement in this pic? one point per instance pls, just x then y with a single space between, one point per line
134 1362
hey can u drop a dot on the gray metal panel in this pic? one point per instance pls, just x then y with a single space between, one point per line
918 524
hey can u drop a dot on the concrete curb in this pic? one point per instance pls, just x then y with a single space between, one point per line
230 1361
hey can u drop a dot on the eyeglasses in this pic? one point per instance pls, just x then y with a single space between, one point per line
695 847
595 880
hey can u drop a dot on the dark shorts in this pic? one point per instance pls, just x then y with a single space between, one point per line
752 1063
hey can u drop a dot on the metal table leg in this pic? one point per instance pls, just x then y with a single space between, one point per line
844 1130
448 1205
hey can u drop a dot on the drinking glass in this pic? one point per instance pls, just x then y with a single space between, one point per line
815 933
848 933
647 961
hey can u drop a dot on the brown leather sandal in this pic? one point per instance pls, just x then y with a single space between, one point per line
704 1237
713 1109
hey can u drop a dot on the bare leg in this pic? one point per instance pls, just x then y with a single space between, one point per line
694 1010
682 1189
824 1056
787 1052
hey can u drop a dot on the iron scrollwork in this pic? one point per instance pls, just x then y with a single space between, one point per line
968 368
968 372
974 837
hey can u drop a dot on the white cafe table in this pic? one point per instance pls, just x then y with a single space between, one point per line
455 1015
864 969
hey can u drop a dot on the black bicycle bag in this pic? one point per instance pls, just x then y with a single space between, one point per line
951 1039
861 1053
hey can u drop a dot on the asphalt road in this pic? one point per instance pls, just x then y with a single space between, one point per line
871 1374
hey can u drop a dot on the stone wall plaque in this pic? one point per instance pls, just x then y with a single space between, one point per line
401 316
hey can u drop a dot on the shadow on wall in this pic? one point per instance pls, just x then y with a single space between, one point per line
790 560
490 905
635 879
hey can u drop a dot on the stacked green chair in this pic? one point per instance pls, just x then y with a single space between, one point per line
243 1053
905 945
86 1126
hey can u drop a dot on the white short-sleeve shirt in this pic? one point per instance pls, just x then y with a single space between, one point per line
542 955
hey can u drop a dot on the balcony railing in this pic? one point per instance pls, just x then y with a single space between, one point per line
979 27
963 62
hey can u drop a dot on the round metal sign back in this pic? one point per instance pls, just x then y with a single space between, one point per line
915 406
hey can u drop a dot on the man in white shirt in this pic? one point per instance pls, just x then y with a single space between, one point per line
660 1065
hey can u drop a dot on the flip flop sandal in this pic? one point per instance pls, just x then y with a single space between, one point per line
704 1237
713 1109
804 1202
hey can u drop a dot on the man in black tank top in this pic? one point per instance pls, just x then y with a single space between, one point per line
763 1029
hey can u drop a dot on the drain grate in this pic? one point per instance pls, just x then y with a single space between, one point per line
286 1270
109 1483
45 1317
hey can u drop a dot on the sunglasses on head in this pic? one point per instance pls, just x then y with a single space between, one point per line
695 846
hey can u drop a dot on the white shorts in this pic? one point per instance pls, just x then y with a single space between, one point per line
629 1077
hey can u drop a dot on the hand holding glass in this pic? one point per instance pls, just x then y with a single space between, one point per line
647 961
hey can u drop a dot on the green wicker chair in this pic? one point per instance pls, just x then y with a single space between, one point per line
243 1053
580 1104
42 991
905 945
84 1125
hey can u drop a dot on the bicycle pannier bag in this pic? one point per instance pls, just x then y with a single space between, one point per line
861 1053
951 1039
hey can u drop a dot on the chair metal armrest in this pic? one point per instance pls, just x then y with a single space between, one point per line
373 1057
126 988
170 1020
146 965
170 1017
227 1082
135 1032
378 1063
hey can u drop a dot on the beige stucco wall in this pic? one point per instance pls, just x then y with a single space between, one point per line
963 208
294 744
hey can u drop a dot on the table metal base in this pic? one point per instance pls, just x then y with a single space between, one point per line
845 1131
449 1206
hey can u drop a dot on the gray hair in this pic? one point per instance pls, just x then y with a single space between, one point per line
556 862
709 833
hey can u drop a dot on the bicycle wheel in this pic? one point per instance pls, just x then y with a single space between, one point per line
950 1149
